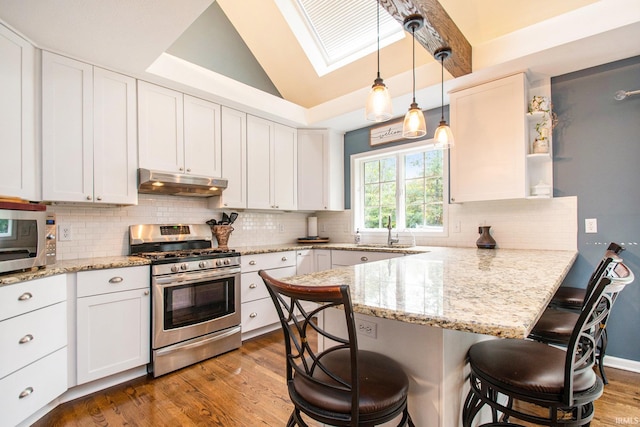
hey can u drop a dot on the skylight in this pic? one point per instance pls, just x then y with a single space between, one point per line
334 33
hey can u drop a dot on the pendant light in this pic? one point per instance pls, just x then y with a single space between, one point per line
378 108
443 135
414 125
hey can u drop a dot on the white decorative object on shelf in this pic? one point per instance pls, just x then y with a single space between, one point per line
541 189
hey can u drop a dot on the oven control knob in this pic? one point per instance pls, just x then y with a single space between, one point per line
202 264
174 269
227 262
184 266
219 263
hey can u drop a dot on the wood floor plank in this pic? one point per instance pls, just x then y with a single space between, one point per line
246 387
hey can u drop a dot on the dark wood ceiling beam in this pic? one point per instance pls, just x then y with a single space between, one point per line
439 31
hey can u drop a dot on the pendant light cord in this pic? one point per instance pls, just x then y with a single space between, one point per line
378 20
413 34
442 89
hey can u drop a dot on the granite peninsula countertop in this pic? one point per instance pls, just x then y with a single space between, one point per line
498 292
265 249
71 266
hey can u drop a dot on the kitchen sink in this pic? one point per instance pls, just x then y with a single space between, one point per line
383 245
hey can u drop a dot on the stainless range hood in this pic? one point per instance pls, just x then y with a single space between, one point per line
175 184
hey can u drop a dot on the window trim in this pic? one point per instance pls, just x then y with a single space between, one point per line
357 186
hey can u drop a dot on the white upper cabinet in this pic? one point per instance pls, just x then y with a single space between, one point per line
234 160
271 165
320 170
88 133
177 132
19 166
488 161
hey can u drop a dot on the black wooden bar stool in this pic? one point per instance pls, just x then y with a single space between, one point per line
341 385
507 371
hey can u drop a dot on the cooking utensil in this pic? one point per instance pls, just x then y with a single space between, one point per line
233 217
212 222
225 219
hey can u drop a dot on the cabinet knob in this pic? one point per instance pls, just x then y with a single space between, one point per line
26 392
277 207
146 292
453 199
252 262
225 204
25 297
253 286
188 169
89 197
284 258
364 259
116 279
99 197
25 339
254 314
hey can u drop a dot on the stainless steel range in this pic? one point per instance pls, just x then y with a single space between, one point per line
195 312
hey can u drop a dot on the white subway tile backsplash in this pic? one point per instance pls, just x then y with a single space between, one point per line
104 231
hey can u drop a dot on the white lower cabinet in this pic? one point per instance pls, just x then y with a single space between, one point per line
343 258
258 312
33 339
113 321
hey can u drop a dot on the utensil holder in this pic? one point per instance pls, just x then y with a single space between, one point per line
222 233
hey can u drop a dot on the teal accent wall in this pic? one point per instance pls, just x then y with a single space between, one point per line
596 157
213 43
357 141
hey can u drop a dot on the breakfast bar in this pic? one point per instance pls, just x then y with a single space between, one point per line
426 310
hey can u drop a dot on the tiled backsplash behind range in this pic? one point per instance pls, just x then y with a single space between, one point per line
98 231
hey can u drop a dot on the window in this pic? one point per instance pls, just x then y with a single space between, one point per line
405 183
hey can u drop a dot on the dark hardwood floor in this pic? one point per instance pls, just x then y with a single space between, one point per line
246 388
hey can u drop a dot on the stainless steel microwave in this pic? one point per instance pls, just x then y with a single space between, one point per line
27 237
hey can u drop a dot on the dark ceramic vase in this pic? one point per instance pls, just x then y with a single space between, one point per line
485 241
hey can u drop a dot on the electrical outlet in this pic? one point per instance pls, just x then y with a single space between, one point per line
64 233
590 225
456 226
281 228
369 329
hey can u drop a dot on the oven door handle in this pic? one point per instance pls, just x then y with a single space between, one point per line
188 278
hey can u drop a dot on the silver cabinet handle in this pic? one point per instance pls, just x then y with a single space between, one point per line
146 292
364 259
99 197
254 314
25 339
116 279
252 262
89 197
284 258
453 199
26 392
253 286
25 297
181 169
188 169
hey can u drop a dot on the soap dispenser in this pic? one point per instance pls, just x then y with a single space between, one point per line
356 237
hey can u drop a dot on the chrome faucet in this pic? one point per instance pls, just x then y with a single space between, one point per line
391 240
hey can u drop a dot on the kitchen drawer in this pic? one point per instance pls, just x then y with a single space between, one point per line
339 258
253 287
41 332
98 282
38 384
31 295
268 261
259 313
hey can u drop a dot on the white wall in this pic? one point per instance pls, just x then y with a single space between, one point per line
522 224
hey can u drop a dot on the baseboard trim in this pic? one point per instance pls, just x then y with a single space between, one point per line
620 363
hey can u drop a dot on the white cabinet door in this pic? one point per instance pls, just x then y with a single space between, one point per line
320 170
67 129
488 159
260 135
113 333
234 159
115 138
202 146
160 128
19 168
344 258
305 261
284 168
322 259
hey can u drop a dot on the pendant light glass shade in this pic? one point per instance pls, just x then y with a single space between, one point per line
443 135
378 107
414 125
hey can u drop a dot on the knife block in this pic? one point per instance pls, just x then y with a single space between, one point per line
222 233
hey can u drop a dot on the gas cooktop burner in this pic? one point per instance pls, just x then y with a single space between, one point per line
188 253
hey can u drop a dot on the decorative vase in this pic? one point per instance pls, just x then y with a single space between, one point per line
541 146
485 241
222 233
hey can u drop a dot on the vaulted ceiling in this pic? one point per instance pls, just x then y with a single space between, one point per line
544 36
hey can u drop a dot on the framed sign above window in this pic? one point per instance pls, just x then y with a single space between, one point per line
387 132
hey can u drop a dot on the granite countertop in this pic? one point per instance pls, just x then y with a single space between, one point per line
71 266
404 249
495 292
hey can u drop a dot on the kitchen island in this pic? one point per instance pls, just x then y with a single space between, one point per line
425 310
